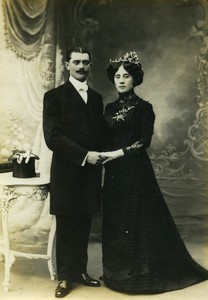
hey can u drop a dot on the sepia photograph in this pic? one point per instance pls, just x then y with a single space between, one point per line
104 149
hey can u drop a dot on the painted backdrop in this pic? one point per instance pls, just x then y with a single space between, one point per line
171 40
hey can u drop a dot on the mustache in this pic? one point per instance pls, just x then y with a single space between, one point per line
82 71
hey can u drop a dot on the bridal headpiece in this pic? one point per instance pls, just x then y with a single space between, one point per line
130 57
131 64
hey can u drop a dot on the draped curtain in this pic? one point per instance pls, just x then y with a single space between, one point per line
30 32
25 22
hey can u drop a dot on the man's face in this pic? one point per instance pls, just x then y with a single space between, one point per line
79 65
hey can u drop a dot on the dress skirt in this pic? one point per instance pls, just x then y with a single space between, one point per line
143 252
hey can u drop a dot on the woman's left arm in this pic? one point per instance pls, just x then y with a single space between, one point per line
147 129
148 119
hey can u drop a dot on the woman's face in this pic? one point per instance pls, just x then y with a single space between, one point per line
123 80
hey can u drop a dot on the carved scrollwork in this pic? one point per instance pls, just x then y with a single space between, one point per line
197 140
38 193
191 162
83 26
198 135
170 163
9 194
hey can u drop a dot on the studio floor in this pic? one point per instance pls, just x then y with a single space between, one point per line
30 278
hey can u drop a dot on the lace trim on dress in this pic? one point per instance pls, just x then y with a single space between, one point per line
125 103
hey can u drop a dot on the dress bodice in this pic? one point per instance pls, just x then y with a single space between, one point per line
129 119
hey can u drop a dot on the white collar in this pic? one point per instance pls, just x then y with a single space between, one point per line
79 85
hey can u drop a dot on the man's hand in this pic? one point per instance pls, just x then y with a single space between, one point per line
95 158
112 155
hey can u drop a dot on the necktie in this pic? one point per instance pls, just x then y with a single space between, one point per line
83 88
83 92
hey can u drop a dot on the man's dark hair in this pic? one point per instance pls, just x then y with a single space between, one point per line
77 50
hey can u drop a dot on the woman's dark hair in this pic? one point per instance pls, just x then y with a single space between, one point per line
77 50
134 69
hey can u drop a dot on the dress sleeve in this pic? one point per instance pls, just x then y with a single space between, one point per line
147 129
148 119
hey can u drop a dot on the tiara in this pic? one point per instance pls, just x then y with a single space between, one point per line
130 57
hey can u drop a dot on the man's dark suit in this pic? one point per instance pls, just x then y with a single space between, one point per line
71 129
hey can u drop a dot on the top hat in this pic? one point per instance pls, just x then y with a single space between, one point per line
23 164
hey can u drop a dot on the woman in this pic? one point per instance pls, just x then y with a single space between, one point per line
142 248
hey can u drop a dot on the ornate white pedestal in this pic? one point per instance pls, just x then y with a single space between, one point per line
35 189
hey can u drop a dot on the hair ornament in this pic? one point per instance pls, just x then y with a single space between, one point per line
130 57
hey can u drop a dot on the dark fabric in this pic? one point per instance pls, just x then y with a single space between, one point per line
142 248
72 128
71 245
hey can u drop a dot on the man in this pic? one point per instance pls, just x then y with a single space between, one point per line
72 125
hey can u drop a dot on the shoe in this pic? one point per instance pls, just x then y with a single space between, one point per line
85 279
62 289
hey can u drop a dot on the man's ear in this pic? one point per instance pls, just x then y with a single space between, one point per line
67 65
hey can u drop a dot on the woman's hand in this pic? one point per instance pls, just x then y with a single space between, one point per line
112 155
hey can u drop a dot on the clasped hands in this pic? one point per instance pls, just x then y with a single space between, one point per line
100 158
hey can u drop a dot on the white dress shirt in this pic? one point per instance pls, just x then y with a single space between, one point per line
81 87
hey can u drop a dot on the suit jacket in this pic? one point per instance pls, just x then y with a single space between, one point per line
72 128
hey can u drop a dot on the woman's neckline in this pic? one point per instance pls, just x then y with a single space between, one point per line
127 96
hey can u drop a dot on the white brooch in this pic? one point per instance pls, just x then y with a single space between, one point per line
122 113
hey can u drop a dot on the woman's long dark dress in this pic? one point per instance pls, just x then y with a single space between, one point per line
142 248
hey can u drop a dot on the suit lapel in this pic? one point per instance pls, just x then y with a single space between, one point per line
73 95
89 100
